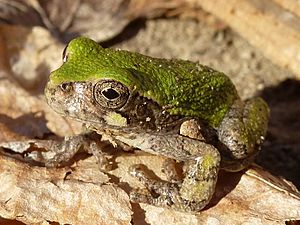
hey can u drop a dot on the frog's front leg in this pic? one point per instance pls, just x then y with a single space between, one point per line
243 130
200 172
66 149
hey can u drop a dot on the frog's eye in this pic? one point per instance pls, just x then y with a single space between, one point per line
65 54
110 94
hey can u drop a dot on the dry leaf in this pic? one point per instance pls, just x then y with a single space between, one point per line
19 12
39 195
101 20
104 20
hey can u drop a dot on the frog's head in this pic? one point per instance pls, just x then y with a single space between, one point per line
92 86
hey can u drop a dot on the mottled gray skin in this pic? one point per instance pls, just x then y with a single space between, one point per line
131 118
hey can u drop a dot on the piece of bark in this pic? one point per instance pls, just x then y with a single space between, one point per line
254 197
291 5
264 24
37 195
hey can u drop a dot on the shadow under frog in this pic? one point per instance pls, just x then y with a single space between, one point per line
281 151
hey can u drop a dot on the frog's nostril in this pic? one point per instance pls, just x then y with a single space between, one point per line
66 87
65 55
66 112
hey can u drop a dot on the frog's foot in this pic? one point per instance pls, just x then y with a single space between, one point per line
157 192
192 194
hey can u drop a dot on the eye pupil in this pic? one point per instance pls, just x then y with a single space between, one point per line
110 93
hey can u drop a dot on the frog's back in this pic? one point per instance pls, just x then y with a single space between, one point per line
185 87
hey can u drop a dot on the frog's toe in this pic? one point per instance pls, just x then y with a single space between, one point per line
153 183
168 198
157 192
172 170
104 163
140 195
165 200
